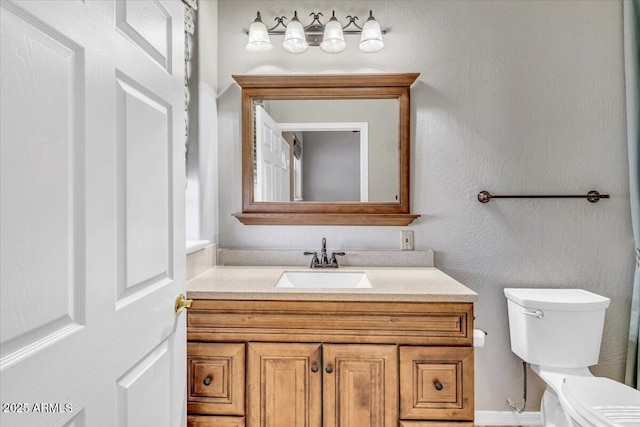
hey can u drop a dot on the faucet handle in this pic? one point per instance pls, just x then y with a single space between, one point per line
333 261
314 260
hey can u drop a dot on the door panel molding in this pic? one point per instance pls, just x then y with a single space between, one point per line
132 19
42 185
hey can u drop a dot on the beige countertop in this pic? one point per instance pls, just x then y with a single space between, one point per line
387 284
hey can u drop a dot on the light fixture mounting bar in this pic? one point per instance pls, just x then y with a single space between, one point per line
315 28
328 36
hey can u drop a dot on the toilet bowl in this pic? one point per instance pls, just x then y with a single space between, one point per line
601 402
559 332
574 397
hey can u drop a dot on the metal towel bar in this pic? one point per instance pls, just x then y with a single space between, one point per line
592 196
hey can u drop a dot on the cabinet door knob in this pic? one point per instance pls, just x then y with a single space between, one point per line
329 369
207 381
314 368
438 385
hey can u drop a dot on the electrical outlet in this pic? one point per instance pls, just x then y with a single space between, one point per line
407 240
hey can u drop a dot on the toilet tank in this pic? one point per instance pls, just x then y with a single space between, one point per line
559 328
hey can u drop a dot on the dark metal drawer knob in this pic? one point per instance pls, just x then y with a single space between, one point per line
438 385
329 369
314 368
207 381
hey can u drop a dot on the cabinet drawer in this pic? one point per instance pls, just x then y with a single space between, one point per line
209 421
436 424
348 322
436 383
215 379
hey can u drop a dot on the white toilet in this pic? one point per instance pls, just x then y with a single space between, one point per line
558 332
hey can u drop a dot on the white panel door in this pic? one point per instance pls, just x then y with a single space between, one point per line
92 213
273 161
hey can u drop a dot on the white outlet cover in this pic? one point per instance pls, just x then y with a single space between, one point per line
407 240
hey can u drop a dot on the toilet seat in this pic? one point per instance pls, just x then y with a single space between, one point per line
602 402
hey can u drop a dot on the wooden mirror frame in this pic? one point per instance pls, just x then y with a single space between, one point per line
323 87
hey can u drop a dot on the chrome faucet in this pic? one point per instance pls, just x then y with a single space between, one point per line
324 261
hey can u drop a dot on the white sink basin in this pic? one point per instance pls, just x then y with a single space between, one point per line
324 280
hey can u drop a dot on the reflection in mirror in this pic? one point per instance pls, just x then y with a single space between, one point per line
329 165
326 150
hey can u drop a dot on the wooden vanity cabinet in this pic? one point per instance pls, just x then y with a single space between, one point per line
330 364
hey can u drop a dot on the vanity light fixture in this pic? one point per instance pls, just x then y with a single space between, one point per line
329 36
294 38
371 40
333 37
258 37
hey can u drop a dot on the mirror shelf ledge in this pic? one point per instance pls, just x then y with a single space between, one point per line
326 219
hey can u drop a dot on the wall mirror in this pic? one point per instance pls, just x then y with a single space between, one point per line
326 149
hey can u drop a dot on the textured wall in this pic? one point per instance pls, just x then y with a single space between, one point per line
513 97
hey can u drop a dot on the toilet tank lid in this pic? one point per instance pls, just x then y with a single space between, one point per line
557 299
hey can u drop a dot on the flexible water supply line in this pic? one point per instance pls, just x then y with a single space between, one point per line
520 409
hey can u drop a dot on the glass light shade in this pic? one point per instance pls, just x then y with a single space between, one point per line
333 39
294 38
371 39
258 38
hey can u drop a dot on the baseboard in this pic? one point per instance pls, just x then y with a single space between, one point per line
507 418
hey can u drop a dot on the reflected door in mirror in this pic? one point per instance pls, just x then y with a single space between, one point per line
273 161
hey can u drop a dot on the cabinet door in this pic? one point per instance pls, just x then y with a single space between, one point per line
360 385
436 383
283 385
215 378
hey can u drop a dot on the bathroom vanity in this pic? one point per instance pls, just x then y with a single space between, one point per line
396 353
